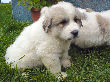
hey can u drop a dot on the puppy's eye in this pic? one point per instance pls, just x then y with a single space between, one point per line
63 22
76 19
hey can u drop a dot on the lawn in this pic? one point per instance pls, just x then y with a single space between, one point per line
87 65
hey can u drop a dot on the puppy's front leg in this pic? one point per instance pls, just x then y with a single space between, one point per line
52 63
65 60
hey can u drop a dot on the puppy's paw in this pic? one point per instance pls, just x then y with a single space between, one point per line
25 74
66 63
62 75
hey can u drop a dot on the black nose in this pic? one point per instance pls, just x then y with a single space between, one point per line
75 33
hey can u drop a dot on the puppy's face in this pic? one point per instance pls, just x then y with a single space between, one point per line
62 21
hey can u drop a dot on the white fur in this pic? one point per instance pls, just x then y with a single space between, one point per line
90 33
35 47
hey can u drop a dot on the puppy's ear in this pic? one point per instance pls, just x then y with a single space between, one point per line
48 20
103 24
80 15
44 10
47 23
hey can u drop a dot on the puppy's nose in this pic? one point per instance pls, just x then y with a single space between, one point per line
75 33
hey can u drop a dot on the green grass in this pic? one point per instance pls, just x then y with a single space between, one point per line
91 66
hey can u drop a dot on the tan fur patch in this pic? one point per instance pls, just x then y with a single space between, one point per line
103 23
89 10
58 15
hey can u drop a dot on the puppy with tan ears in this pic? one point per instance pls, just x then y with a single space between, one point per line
46 42
95 30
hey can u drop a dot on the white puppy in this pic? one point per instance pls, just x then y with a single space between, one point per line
95 30
46 42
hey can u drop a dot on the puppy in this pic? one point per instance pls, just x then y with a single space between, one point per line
95 30
46 42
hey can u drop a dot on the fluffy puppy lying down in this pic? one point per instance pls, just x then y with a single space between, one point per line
95 30
46 42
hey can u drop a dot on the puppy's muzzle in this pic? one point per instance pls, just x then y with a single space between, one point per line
75 33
